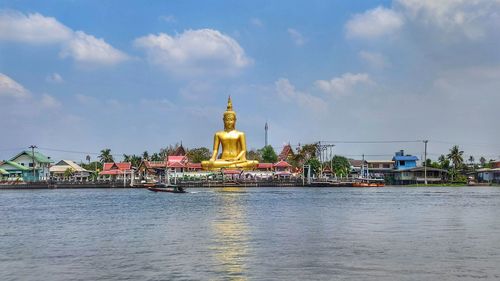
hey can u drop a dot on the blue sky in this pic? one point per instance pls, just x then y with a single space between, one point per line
135 76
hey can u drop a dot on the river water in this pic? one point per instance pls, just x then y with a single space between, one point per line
388 233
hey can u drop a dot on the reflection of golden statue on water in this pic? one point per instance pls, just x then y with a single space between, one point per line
234 147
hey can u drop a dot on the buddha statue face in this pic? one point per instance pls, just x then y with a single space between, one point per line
229 121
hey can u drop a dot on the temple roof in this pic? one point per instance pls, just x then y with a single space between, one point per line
287 150
179 151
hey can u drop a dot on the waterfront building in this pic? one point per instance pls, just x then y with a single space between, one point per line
28 166
116 171
402 161
68 170
265 167
151 170
491 175
417 176
177 163
380 168
15 171
357 166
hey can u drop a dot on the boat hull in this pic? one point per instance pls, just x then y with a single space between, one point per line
166 189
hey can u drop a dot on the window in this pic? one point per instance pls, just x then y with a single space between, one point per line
401 163
31 165
22 164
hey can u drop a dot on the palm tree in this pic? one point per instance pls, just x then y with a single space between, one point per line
106 156
126 158
88 158
456 156
482 160
471 159
145 155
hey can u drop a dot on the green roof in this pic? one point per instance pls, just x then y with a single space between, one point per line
15 165
3 172
40 158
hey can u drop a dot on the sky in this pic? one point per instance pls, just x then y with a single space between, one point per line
80 76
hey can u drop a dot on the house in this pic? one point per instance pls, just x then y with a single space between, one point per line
265 167
21 166
68 170
282 169
417 175
177 163
15 171
151 170
403 162
357 166
380 168
491 175
116 171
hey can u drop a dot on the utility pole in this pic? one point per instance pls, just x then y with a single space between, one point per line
320 150
266 128
33 158
425 161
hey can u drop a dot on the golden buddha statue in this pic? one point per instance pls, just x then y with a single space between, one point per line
234 147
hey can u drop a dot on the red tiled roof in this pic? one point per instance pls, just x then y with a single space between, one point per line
265 166
287 150
117 166
282 164
177 159
112 172
175 164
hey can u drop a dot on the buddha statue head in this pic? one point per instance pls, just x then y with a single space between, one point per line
229 116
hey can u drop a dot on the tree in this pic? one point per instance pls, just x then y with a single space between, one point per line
456 156
315 165
105 156
156 157
303 155
268 154
126 158
196 155
145 155
69 173
135 160
340 165
482 160
443 162
471 159
254 155
87 158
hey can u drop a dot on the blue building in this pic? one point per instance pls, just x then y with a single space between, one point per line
403 162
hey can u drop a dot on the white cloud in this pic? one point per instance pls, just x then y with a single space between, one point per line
195 52
287 92
469 18
55 78
257 22
49 102
88 49
374 23
32 28
375 60
10 88
38 29
296 36
343 85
